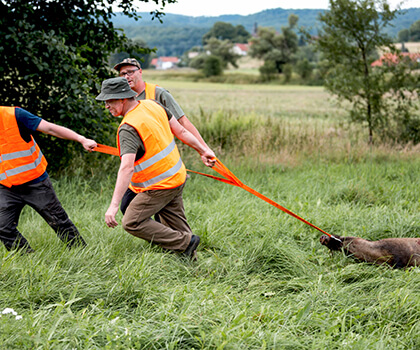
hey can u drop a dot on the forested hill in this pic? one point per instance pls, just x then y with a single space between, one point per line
267 18
179 33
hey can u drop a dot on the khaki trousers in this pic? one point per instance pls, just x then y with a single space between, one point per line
173 232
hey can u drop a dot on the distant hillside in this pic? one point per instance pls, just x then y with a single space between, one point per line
268 18
179 33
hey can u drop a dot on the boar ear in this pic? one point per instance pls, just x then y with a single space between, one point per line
323 240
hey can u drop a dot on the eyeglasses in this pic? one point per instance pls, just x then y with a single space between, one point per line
129 73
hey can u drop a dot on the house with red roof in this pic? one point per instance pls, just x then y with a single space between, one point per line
393 59
165 62
241 49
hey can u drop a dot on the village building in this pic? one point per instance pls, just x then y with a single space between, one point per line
393 59
165 62
240 49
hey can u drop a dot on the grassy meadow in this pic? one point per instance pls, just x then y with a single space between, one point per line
262 279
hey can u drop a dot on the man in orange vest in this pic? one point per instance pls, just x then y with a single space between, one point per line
25 181
130 69
151 167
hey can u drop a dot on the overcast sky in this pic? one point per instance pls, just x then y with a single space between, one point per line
245 7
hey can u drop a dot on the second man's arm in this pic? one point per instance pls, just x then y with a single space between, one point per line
207 155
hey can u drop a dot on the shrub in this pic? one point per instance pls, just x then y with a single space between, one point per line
268 70
213 66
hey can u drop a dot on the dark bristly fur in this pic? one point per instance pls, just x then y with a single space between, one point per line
397 252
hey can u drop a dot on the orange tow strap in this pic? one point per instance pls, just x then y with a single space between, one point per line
107 149
229 178
233 180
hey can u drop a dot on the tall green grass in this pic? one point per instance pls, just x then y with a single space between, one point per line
262 280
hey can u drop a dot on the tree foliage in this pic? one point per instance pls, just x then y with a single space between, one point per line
276 49
212 66
307 63
169 41
383 97
410 34
404 35
226 31
144 56
222 49
415 31
54 57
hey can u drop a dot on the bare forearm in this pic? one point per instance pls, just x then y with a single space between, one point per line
123 180
185 122
191 140
59 131
65 133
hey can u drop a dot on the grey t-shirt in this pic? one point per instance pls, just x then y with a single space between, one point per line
130 140
165 98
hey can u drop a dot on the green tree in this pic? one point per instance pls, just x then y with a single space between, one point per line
222 49
382 97
279 49
143 55
287 72
268 71
198 61
212 66
304 68
404 35
226 31
411 34
305 60
54 57
415 31
170 40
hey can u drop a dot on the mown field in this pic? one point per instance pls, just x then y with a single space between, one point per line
262 279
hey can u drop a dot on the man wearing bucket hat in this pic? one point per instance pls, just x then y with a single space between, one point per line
25 181
130 68
151 167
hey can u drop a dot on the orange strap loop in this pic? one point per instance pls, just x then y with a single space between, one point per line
107 149
229 178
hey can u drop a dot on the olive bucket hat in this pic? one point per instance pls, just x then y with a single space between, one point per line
115 89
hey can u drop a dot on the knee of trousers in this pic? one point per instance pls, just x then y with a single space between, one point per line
130 224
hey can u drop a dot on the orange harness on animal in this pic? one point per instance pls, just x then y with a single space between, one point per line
229 178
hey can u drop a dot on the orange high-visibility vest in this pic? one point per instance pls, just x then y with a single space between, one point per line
161 166
20 161
150 91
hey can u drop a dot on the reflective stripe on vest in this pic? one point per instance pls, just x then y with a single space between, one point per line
157 157
19 154
26 167
160 177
